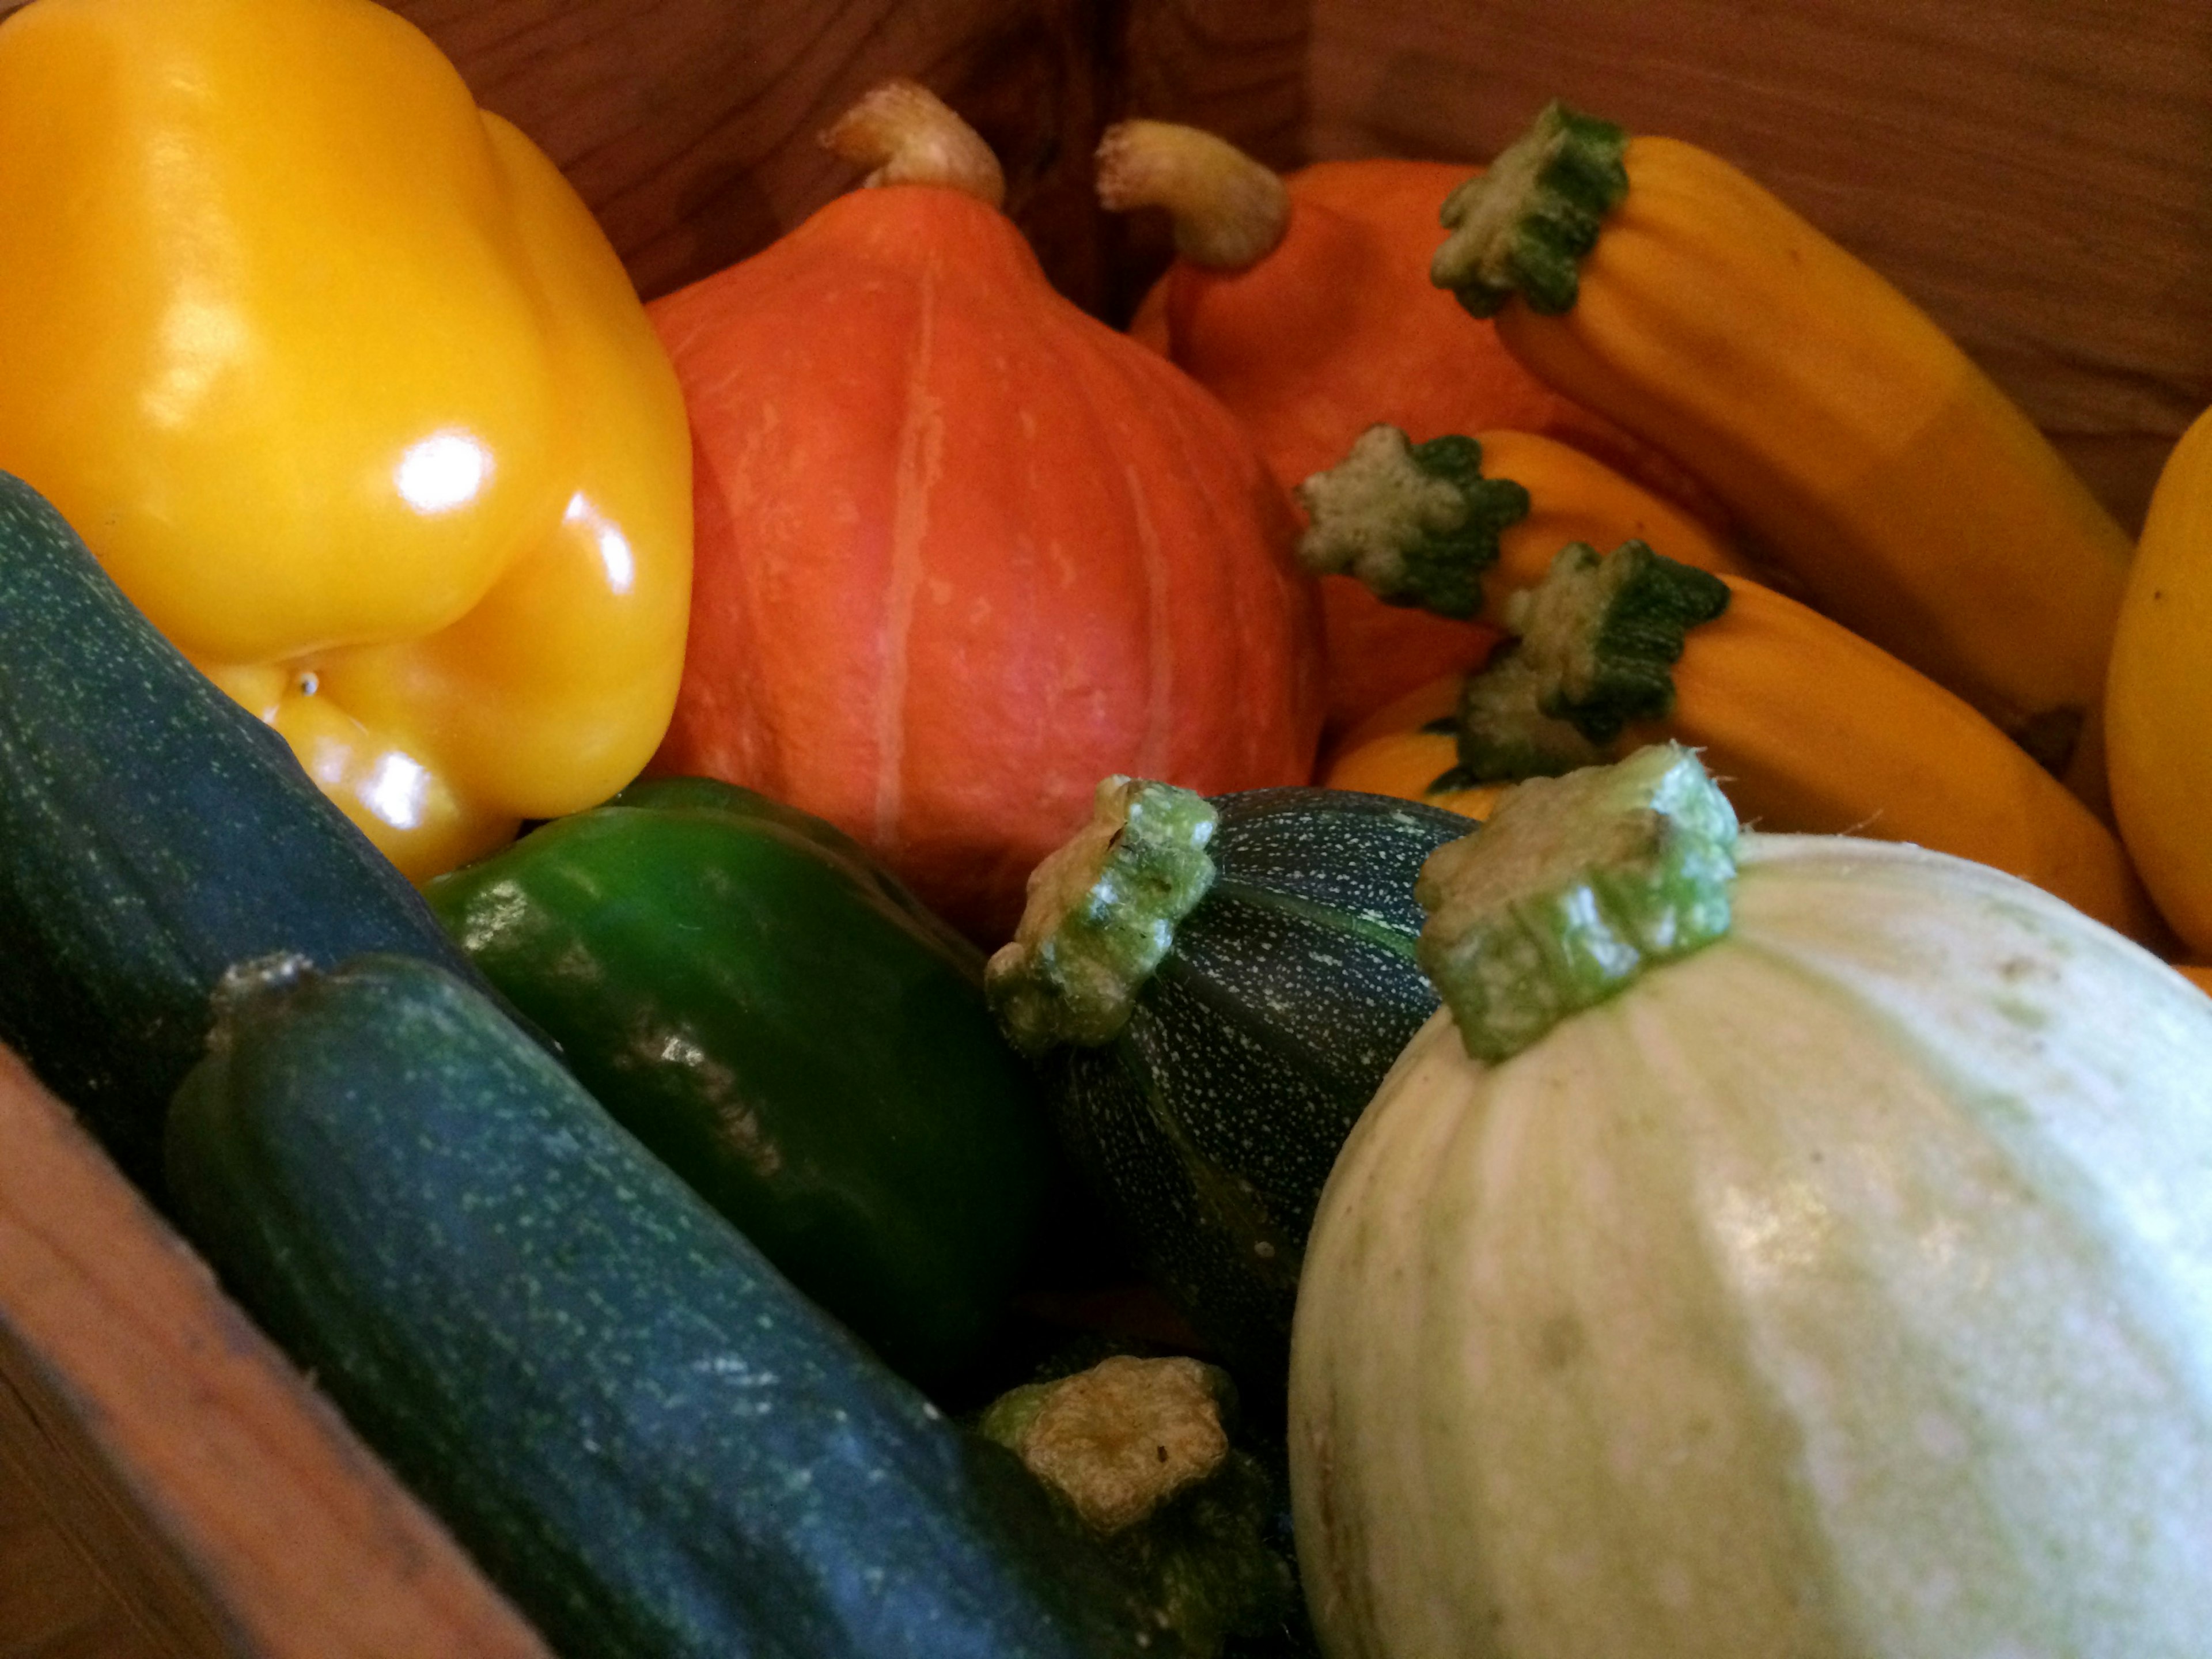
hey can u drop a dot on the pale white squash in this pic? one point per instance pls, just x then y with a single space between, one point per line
1842 1288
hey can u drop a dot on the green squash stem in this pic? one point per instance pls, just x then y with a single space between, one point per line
1417 523
1523 226
1574 887
1102 915
1502 733
1605 629
1227 210
1599 637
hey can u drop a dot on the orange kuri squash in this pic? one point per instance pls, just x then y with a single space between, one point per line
961 549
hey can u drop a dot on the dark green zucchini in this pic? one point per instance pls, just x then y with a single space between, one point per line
152 833
1215 989
637 1427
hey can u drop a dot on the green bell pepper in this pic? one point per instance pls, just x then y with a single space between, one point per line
770 1011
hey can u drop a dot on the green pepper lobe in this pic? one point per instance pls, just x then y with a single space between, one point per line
771 1012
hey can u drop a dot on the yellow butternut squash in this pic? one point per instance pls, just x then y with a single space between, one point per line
2159 699
1909 496
1810 727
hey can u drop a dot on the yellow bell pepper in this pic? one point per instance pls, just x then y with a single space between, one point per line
347 390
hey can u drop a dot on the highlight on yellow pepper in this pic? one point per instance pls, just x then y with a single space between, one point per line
347 390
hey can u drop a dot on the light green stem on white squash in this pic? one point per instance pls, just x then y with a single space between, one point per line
904 134
1227 210
1575 887
1523 225
1417 523
1102 915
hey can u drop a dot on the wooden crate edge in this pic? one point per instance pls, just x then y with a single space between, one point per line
228 1504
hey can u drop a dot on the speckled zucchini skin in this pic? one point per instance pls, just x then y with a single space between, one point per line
152 833
1209 1124
639 1429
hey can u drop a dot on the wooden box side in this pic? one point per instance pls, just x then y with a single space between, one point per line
224 1506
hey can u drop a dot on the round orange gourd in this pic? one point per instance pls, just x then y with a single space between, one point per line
1308 309
962 549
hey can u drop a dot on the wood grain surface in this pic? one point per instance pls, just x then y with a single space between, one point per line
230 1509
2037 176
689 124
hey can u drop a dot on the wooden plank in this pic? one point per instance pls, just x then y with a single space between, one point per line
53 1605
689 124
230 1510
2039 177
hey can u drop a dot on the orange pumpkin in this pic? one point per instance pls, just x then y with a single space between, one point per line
1305 304
962 549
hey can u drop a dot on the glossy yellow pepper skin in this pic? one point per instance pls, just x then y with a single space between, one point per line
343 384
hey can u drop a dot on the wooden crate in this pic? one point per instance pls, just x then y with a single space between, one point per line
2040 177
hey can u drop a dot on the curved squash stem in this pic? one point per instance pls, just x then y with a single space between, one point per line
906 135
1228 210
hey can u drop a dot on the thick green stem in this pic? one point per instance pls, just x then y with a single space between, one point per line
1503 734
1140 1452
1228 211
1418 523
905 135
1602 632
1575 887
1523 226
1102 915
1599 637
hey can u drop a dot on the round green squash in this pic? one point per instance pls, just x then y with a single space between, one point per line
1213 987
1843 1287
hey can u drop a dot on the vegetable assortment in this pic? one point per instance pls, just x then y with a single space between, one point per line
1632 1234
1304 303
1909 496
